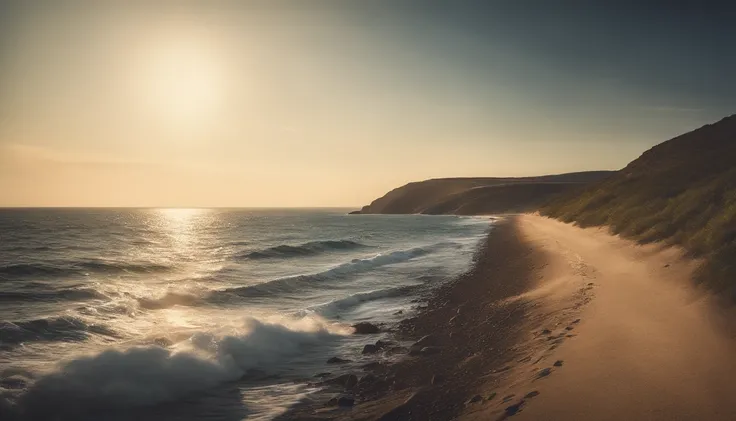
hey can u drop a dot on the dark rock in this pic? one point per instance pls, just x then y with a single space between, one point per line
474 399
345 401
546 332
569 328
348 381
531 394
576 321
371 365
558 363
370 349
436 379
367 379
365 328
341 400
383 344
491 396
337 360
513 409
399 312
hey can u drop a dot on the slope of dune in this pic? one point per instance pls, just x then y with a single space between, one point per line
480 195
682 191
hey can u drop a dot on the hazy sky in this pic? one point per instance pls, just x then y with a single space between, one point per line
331 103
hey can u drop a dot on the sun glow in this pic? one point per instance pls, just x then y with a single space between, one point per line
181 80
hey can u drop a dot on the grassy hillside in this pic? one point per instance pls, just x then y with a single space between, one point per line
500 198
682 192
481 195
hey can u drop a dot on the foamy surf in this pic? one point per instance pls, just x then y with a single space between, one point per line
143 376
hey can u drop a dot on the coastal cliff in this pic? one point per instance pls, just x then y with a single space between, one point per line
476 196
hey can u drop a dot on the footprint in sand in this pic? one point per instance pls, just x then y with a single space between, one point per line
544 373
507 398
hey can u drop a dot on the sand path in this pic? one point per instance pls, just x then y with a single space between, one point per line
646 348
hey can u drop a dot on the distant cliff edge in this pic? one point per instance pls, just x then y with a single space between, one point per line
479 196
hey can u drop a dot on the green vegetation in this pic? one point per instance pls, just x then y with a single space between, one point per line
680 192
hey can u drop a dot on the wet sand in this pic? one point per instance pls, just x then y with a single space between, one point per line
553 322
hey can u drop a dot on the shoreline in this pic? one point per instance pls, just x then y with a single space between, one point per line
552 322
467 332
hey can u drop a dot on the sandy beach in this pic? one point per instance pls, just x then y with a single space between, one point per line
553 322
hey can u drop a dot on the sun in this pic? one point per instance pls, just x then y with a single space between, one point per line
180 82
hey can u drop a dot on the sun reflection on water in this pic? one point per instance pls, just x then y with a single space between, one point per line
181 226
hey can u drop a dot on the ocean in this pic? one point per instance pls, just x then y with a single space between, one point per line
219 314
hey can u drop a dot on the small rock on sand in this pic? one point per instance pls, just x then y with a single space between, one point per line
569 328
337 360
364 328
576 321
544 372
546 332
491 396
531 394
558 363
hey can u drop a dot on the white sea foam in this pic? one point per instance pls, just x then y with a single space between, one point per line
142 376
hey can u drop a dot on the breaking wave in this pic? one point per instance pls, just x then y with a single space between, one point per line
298 283
116 380
169 300
24 270
64 329
307 249
337 306
70 294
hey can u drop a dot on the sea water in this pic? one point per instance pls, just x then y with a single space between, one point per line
222 314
